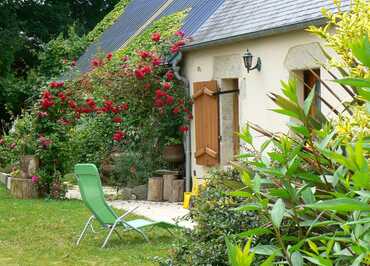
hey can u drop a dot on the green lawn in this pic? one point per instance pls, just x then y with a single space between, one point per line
41 232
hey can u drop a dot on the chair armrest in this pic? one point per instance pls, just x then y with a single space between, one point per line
127 213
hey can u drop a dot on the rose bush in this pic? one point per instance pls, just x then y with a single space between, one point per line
129 100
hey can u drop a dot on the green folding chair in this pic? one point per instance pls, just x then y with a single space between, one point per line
93 197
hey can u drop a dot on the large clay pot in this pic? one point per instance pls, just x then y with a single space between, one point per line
173 153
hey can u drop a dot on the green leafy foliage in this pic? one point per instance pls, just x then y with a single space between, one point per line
314 187
216 218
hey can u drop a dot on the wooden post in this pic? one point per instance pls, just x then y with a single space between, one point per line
167 186
155 189
23 188
177 194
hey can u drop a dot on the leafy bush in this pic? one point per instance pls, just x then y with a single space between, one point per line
314 186
215 219
343 27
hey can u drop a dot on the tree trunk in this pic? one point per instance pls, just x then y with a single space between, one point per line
23 188
29 165
177 194
167 186
155 189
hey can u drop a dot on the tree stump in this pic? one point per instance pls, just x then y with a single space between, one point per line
178 186
22 188
29 165
167 186
155 189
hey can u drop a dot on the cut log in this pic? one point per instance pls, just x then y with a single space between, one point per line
22 188
155 189
167 186
29 165
177 194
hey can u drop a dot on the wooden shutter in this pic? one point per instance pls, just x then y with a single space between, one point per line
206 123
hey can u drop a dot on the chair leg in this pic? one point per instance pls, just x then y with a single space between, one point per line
142 234
84 230
109 234
118 234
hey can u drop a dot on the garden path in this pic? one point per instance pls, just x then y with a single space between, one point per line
156 211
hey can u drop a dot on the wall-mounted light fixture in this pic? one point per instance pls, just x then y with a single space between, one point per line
248 60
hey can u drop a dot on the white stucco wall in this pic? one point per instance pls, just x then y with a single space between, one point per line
280 57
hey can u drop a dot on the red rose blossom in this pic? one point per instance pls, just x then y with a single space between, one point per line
169 99
96 62
124 106
90 102
156 36
2 141
159 93
158 103
176 110
46 95
117 119
72 104
170 75
144 54
146 70
44 142
42 114
139 74
46 103
184 129
118 136
180 34
166 85
174 49
156 61
180 43
61 96
53 84
109 56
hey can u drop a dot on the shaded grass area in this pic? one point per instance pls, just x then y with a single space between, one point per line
44 232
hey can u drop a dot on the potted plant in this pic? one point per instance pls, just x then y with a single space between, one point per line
173 150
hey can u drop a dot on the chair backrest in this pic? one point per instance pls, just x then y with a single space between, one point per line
92 193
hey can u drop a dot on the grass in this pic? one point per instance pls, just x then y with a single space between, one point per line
43 232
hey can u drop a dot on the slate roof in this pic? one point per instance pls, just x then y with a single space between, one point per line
213 21
237 19
137 13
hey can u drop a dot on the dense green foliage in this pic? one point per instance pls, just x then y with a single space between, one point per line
216 219
314 185
39 40
44 232
347 27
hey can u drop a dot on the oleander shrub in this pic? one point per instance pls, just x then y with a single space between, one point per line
216 219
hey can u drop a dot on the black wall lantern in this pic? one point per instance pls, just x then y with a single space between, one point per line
248 60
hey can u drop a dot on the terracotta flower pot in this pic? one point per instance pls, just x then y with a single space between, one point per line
173 153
